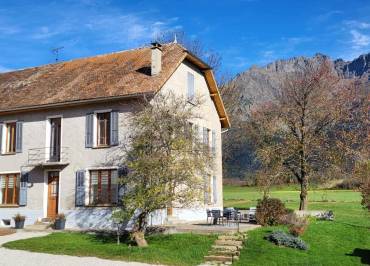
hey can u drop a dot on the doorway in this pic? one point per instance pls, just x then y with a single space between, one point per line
53 194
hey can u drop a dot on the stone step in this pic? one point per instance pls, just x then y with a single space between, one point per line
218 258
37 227
224 252
221 247
226 237
229 243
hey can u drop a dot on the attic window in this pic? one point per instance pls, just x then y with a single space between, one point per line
191 87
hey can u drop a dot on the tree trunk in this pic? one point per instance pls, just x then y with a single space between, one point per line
140 239
303 195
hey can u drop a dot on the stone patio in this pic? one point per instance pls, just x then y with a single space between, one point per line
204 228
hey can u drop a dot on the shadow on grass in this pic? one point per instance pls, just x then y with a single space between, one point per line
364 254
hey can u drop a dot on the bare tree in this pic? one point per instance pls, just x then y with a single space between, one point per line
295 133
194 45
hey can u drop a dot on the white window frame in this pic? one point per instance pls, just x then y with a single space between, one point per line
3 135
95 127
48 135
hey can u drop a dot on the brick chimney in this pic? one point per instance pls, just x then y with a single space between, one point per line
156 65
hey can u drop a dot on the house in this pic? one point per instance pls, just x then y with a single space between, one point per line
60 123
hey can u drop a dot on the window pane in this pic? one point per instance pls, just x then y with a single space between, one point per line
103 188
103 130
10 137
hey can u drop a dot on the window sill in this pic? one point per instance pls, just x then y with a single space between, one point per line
101 205
9 205
102 147
9 153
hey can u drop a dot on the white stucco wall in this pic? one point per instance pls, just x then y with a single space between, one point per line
79 157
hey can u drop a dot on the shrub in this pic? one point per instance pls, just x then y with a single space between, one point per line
365 193
61 216
270 211
298 225
19 218
283 239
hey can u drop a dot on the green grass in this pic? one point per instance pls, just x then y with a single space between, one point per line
345 241
179 249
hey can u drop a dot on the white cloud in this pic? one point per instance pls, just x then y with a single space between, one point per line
359 39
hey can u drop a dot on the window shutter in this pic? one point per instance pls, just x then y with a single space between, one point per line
89 142
206 190
114 128
214 142
23 189
214 188
80 188
191 89
1 138
18 138
205 135
122 172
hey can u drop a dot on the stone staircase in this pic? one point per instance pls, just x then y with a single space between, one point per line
43 225
225 250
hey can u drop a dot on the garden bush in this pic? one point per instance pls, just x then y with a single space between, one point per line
298 225
281 238
270 211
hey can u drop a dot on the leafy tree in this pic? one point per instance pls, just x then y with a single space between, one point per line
166 162
299 132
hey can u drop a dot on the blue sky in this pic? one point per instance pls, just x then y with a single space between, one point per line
244 32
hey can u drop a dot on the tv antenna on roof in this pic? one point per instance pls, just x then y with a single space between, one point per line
55 51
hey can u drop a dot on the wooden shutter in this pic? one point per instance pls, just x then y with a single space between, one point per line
214 142
191 89
18 137
114 128
89 130
23 189
121 172
1 138
80 188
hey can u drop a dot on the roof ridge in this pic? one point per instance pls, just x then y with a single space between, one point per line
145 46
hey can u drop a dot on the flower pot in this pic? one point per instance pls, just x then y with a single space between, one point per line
59 224
19 224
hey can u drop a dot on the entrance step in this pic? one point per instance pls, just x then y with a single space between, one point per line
218 258
37 227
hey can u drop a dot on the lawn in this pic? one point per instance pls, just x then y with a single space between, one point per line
345 241
179 249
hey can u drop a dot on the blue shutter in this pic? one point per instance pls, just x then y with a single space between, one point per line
214 142
80 188
18 137
23 189
1 138
122 172
214 188
114 128
191 87
205 136
89 136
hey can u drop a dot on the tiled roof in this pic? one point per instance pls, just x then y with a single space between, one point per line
87 79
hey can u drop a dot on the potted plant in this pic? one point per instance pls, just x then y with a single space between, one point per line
19 221
60 222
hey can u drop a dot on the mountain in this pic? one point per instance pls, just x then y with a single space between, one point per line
257 85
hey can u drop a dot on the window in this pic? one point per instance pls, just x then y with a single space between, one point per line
103 187
206 133
191 87
9 188
213 142
10 131
103 129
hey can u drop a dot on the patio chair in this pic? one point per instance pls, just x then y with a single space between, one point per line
216 214
209 215
252 214
232 216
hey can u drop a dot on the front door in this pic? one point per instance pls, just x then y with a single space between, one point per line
53 194
55 136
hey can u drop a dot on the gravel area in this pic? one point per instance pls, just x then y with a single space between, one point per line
25 258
